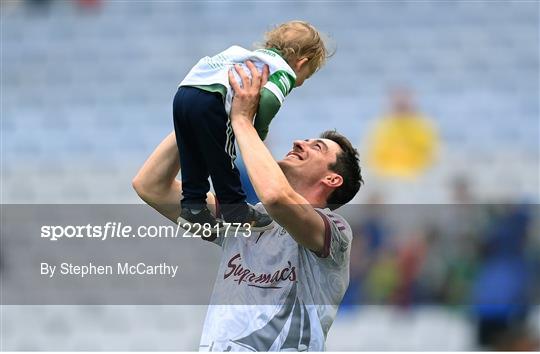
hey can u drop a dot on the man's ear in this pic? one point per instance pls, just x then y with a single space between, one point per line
333 180
300 63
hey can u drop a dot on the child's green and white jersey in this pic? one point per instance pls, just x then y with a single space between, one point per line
211 74
272 294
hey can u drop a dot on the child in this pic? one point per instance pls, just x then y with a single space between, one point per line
293 51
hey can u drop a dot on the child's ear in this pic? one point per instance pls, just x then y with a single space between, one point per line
300 63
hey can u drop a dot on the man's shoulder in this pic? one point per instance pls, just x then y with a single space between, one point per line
332 217
335 218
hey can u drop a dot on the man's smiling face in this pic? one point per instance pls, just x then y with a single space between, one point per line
309 159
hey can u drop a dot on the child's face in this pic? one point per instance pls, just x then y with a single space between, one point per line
303 71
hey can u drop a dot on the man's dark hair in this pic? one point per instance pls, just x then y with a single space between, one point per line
347 165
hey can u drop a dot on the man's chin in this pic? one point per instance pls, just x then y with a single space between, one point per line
285 165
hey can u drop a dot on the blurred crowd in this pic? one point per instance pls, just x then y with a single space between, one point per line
480 259
43 5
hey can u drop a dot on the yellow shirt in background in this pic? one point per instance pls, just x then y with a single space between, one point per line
402 145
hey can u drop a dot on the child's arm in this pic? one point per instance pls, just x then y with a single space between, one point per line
273 93
268 107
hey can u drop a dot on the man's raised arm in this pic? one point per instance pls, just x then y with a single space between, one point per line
156 181
284 205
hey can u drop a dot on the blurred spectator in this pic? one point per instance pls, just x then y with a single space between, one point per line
383 279
410 257
373 229
431 277
462 223
89 5
38 6
354 295
404 142
369 242
502 289
461 192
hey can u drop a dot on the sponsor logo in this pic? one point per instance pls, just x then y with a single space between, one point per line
271 280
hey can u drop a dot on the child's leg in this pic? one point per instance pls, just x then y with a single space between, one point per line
216 143
195 183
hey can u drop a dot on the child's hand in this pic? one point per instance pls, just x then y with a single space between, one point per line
246 97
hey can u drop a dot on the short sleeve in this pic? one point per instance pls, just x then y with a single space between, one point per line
337 237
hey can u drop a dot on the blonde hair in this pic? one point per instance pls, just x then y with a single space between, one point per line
296 40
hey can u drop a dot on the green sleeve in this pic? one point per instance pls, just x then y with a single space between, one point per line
268 107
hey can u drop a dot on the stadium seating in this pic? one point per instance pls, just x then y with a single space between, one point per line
87 96
98 86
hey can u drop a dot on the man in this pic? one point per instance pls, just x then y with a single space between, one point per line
280 289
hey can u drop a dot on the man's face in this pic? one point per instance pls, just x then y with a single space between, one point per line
309 159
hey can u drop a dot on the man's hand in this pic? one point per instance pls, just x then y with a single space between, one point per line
246 97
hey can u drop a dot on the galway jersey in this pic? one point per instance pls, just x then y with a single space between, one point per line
271 294
211 74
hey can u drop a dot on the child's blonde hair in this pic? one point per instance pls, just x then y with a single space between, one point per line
296 40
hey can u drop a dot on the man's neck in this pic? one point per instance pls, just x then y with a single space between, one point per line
313 194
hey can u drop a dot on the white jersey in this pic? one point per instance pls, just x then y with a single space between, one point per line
271 294
214 70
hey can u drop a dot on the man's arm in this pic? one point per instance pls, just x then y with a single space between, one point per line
156 181
284 205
